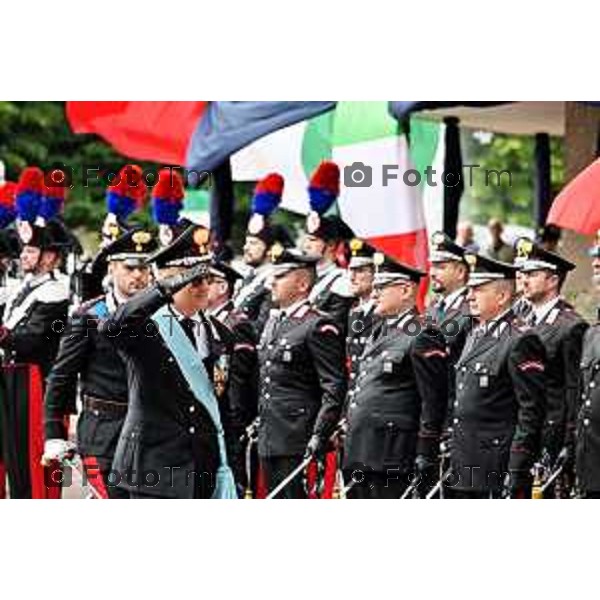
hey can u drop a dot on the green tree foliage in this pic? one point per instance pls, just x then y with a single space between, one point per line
512 200
37 133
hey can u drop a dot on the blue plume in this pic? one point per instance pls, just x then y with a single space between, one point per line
121 206
166 212
321 200
50 207
264 203
28 205
7 216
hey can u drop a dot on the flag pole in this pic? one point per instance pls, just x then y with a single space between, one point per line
221 202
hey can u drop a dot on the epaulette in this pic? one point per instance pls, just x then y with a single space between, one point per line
410 317
501 328
553 315
318 312
86 306
566 305
341 286
303 311
458 302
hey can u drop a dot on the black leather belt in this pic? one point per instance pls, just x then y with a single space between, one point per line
97 405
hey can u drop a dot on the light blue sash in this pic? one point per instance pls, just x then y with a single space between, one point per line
101 309
195 374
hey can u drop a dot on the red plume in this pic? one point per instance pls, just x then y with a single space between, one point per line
54 191
327 177
131 184
169 186
271 184
7 194
31 179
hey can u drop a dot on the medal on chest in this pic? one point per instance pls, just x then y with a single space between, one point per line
482 376
221 374
286 356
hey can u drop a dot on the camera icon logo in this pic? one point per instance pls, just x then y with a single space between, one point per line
57 476
59 175
358 175
361 475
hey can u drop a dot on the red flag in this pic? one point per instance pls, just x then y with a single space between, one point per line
577 207
155 131
198 135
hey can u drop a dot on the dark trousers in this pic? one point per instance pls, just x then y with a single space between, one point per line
590 495
553 442
202 483
137 496
453 494
377 486
276 469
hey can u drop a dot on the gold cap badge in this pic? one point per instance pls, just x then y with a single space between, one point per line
378 258
471 260
141 239
524 248
276 251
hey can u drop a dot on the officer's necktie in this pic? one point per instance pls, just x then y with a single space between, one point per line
378 329
189 326
440 312
277 321
472 339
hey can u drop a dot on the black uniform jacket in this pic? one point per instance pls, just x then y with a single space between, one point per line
561 332
167 431
361 322
243 373
331 295
500 405
397 407
302 381
455 322
588 419
88 359
254 299
35 314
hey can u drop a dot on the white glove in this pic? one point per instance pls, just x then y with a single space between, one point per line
56 450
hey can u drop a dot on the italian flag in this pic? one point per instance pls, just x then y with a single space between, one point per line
395 217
